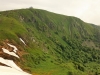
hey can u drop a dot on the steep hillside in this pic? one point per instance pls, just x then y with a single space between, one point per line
51 44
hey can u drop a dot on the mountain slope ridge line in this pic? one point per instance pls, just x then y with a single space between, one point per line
63 45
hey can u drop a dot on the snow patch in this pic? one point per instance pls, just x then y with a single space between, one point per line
9 63
10 53
22 41
15 48
12 70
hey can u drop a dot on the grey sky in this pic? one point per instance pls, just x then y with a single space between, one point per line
87 10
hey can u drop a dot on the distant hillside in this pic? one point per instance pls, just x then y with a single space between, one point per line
51 44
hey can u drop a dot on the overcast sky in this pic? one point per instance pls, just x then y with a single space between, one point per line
87 10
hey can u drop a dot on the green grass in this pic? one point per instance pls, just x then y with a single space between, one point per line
58 48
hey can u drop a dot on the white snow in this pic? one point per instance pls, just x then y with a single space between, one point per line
15 48
10 53
22 41
12 70
9 63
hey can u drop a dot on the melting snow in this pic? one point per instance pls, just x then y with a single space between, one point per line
10 53
9 63
22 40
15 48
12 70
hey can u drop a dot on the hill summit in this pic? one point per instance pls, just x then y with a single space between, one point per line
45 43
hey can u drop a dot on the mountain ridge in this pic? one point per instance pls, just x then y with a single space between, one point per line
52 41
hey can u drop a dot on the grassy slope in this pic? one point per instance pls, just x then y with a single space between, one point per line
59 47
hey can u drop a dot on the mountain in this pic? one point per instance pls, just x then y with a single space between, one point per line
46 43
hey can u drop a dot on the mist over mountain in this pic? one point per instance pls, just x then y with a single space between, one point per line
39 42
